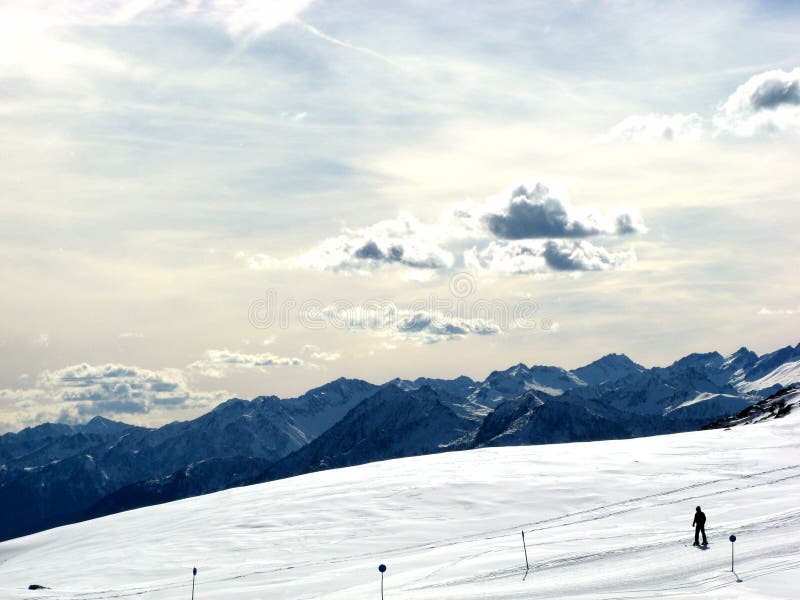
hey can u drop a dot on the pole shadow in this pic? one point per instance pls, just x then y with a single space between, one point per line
738 579
526 574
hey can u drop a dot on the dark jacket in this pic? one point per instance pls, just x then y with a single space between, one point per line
699 519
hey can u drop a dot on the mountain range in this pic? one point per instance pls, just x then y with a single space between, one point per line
54 474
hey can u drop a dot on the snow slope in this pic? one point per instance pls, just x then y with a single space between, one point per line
602 519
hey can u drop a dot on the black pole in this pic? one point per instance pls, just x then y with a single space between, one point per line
194 574
527 567
382 569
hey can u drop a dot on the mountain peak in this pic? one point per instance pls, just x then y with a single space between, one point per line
229 403
700 359
741 359
100 424
607 369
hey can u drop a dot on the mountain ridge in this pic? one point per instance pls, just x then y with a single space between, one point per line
611 397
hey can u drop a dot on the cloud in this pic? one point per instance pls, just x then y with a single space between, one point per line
527 258
420 326
478 235
657 128
766 104
536 213
218 363
131 335
344 44
316 353
41 40
425 327
402 241
769 312
583 256
78 392
237 17
255 261
249 17
42 340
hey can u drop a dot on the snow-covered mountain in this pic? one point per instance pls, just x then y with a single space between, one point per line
776 406
43 444
529 419
500 386
44 492
608 519
54 473
608 369
392 423
318 409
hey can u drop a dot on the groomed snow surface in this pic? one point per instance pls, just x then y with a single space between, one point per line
602 520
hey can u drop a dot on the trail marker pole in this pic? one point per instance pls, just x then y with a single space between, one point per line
194 574
732 539
527 567
382 569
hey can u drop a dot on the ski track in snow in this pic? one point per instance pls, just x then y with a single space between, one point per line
627 548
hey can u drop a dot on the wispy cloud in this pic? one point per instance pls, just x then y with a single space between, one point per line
131 335
408 323
218 363
42 340
770 312
657 128
316 353
344 44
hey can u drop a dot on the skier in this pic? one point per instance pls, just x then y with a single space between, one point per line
699 527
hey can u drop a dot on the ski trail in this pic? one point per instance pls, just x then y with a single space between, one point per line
597 513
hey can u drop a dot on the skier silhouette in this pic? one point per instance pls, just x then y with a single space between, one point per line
699 526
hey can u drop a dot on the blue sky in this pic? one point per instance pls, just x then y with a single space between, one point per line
623 175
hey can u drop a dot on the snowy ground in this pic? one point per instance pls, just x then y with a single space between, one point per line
602 520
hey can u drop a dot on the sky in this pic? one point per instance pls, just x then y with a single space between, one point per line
218 198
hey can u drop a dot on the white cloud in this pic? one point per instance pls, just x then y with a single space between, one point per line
421 326
769 312
657 128
218 363
344 44
256 261
524 213
401 241
39 40
78 392
766 104
316 353
248 17
42 340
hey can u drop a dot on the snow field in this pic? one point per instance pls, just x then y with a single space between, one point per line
602 520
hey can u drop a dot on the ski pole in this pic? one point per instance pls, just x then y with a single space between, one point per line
382 569
527 567
194 574
732 539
